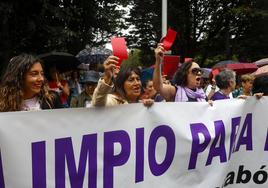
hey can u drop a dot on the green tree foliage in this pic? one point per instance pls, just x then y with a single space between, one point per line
210 30
40 26
145 16
134 58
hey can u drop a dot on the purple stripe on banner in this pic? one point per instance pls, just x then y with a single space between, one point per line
139 155
2 181
39 164
111 160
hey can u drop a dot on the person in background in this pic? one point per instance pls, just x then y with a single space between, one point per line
23 86
260 86
89 81
187 81
150 92
74 85
212 87
59 85
246 83
226 82
125 89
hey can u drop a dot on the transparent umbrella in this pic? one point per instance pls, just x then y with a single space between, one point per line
222 64
94 55
261 71
261 62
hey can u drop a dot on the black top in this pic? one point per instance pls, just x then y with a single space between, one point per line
56 102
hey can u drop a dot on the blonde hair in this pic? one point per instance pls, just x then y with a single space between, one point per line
246 77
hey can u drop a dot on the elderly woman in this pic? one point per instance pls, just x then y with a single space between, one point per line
126 88
187 81
23 88
226 82
245 90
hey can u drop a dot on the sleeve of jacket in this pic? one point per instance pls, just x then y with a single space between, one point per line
100 95
74 102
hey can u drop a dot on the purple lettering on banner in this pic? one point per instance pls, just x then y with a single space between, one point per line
2 181
218 151
198 147
139 174
235 125
39 164
64 151
111 160
266 142
246 140
166 132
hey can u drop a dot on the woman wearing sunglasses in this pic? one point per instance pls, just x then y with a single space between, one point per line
187 81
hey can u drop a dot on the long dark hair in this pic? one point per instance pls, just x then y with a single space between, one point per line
11 88
124 73
180 77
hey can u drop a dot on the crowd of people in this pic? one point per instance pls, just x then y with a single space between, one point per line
25 86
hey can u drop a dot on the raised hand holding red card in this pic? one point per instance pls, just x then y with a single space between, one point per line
169 39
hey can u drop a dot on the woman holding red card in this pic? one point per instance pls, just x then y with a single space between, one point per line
187 81
126 88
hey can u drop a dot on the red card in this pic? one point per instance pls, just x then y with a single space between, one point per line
119 48
170 65
169 39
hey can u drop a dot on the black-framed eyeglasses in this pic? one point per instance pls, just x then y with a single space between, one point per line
197 71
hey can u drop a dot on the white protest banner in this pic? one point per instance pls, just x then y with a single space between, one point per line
189 145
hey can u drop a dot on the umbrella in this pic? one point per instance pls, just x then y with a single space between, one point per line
93 55
242 68
222 64
61 60
261 71
239 68
206 73
261 62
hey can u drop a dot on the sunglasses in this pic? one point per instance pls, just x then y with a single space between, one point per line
197 71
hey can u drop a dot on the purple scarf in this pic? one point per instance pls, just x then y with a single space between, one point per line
183 93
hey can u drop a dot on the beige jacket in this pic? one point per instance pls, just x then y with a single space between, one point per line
103 96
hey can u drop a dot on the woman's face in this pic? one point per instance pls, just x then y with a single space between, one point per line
150 89
132 87
89 88
247 86
33 81
194 76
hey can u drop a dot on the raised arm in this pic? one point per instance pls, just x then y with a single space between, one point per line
105 84
166 91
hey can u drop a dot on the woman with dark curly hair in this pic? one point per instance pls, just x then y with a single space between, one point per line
22 87
187 81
